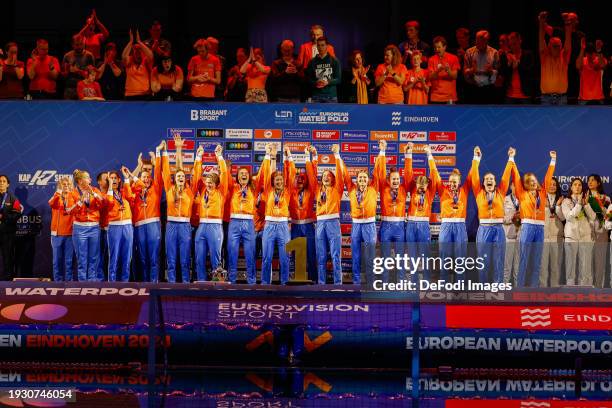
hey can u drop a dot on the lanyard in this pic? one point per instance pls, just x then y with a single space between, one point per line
301 198
551 205
4 200
206 197
393 195
515 202
118 197
538 201
490 197
65 202
455 198
359 196
243 191
421 199
323 196
143 195
276 198
81 194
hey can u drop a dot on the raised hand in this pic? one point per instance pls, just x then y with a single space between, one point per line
178 141
382 145
137 36
152 157
161 145
140 159
200 150
477 151
287 151
218 150
553 154
409 147
335 149
511 152
126 172
131 36
427 149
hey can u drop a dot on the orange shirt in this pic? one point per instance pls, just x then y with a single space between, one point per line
260 211
138 78
89 210
168 79
328 198
392 203
61 220
490 205
212 202
515 90
417 95
178 201
532 206
420 203
277 203
553 72
147 200
591 88
199 66
243 199
443 88
301 205
390 91
119 209
42 80
363 203
255 78
93 43
104 204
453 206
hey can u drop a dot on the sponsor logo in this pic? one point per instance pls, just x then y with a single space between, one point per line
184 133
396 118
239 157
41 178
187 167
208 146
445 161
297 147
356 134
316 117
391 148
323 147
418 160
354 171
207 115
42 312
346 241
239 133
259 157
354 147
412 136
283 116
236 167
326 134
535 317
389 135
415 172
421 119
296 134
347 253
417 148
202 132
208 168
443 148
355 160
188 157
391 160
346 229
238 145
327 159
261 146
187 144
209 157
443 136
322 169
268 133
299 158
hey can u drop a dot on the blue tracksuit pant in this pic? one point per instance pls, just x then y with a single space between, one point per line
178 245
329 238
120 242
491 245
240 230
275 234
63 252
208 238
86 241
148 238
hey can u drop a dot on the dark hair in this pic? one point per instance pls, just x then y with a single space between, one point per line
439 39
597 178
558 191
354 55
323 38
99 176
581 185
9 45
160 64
8 180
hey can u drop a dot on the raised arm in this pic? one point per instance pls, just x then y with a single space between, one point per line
165 166
436 181
474 171
197 166
567 44
125 55
380 167
541 32
289 169
341 172
311 169
551 170
223 179
143 47
408 172
511 169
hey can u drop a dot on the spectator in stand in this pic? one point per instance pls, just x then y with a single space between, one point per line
590 66
166 80
10 211
213 49
417 83
554 59
11 74
359 81
93 40
204 72
74 66
413 43
43 70
236 81
323 74
480 70
256 73
88 89
110 73
517 68
160 46
462 35
390 77
287 75
443 71
500 80
138 61
573 74
310 49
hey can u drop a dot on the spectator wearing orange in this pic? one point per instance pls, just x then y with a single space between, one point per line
443 70
413 43
516 67
167 79
93 40
236 82
554 60
42 70
309 50
88 89
74 66
359 81
287 75
390 76
213 49
417 83
480 70
590 65
11 74
204 72
138 61
256 72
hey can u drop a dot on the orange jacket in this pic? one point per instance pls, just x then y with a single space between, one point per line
145 206
119 209
243 198
392 203
453 206
328 198
61 220
490 206
212 202
178 202
532 206
420 203
301 204
363 204
87 213
277 205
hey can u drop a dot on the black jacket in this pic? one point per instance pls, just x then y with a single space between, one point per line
526 70
11 211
